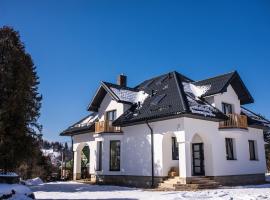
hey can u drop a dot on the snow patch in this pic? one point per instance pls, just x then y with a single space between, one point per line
88 121
35 181
73 190
197 106
130 96
197 91
8 174
15 191
54 155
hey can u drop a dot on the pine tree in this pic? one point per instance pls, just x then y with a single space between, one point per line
20 102
267 148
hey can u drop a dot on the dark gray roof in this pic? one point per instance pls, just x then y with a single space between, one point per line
168 98
119 93
85 124
255 119
220 83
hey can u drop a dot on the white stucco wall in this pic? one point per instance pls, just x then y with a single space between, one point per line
109 104
216 163
228 97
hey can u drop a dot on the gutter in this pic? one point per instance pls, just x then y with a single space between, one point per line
152 154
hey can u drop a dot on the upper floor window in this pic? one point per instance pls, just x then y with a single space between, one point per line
227 108
252 150
230 153
111 115
175 149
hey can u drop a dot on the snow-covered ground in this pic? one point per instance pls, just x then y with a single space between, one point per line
14 192
74 190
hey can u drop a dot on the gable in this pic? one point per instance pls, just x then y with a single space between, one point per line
219 84
118 93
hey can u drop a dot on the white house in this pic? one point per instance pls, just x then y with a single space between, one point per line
170 123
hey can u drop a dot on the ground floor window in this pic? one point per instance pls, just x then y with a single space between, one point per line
115 155
99 156
230 149
175 149
252 150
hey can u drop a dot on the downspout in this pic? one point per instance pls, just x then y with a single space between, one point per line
152 154
73 162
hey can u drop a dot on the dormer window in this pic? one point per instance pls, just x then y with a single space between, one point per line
227 108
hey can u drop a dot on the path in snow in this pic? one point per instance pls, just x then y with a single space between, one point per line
73 190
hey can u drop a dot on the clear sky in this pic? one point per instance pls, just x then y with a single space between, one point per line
76 44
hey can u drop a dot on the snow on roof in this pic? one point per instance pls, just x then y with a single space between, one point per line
200 108
87 121
196 105
130 96
255 117
197 91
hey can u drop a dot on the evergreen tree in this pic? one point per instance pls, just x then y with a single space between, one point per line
267 148
20 102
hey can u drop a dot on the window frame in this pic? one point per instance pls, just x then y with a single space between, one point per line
175 149
254 156
232 147
111 111
117 156
99 160
224 104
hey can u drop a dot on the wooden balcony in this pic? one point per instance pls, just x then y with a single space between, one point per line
106 127
234 121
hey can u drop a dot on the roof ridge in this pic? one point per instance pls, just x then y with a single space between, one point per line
114 84
164 74
180 91
212 77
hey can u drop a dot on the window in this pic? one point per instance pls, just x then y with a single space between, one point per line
252 150
115 155
157 99
230 149
227 108
175 149
99 156
111 115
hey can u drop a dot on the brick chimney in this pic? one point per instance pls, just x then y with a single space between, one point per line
122 80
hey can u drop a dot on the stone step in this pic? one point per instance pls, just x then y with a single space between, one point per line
202 181
172 181
167 185
196 183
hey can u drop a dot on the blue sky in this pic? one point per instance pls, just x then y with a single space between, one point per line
77 44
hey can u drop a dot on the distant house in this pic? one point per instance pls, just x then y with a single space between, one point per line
171 125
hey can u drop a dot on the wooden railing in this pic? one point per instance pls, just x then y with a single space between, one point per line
234 121
106 126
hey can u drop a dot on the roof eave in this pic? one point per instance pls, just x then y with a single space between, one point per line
155 119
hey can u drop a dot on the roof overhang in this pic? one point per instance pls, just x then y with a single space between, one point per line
99 96
78 130
239 87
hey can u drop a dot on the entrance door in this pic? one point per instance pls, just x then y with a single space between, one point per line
198 159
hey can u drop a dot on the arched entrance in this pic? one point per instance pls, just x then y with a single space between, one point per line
85 162
197 156
81 162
